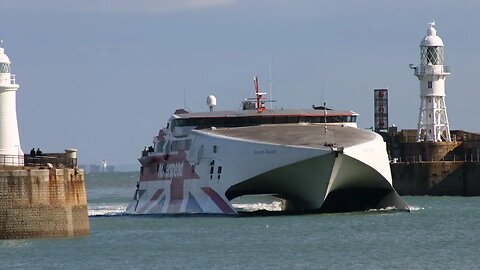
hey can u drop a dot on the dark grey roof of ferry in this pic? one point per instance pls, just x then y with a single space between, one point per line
267 112
311 135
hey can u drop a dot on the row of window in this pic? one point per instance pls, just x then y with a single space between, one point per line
180 145
259 120
174 146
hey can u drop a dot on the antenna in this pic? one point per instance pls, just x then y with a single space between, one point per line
323 91
270 80
325 120
184 106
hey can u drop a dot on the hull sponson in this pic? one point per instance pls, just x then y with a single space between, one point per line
303 184
356 186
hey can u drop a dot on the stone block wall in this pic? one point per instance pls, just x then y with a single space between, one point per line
43 203
438 178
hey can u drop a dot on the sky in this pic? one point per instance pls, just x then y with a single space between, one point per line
103 76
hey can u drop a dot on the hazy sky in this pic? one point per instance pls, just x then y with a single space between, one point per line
103 76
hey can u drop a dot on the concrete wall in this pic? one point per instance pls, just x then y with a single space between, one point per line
43 203
437 178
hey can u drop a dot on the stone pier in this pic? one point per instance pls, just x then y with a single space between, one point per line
42 200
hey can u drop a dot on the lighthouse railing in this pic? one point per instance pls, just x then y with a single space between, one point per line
6 81
436 69
11 160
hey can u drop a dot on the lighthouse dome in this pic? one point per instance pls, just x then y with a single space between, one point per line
431 39
3 57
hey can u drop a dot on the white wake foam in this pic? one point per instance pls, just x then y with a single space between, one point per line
106 209
250 207
386 209
415 208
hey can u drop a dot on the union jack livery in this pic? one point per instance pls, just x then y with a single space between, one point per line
314 159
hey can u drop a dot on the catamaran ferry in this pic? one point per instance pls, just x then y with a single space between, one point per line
315 160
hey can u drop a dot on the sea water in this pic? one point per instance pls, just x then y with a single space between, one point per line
439 233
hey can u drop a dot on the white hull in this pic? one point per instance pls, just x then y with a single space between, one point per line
222 164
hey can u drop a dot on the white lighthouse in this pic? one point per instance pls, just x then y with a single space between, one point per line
10 151
432 120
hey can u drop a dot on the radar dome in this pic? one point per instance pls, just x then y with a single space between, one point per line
211 101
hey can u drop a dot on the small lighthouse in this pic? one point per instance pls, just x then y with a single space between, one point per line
10 151
432 120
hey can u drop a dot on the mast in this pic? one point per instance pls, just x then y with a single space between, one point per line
258 95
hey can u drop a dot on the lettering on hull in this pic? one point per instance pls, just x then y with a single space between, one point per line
265 152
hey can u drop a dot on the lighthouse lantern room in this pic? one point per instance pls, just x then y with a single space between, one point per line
432 121
11 153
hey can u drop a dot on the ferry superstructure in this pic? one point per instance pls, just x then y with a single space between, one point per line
316 160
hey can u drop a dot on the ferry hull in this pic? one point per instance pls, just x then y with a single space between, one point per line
222 166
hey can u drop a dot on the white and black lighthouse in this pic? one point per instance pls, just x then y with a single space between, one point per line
432 121
11 153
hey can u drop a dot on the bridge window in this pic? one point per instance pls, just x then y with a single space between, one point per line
159 146
181 145
238 121
279 119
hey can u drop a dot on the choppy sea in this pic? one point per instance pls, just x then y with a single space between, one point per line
439 233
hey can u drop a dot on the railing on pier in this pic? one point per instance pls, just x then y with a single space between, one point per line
449 157
53 160
57 160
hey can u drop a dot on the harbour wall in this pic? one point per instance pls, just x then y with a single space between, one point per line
42 201
438 178
435 168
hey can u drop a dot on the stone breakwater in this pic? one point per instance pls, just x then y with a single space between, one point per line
434 168
42 202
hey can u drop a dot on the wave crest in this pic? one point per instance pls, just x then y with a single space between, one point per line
95 210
